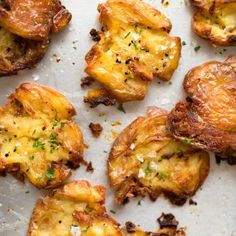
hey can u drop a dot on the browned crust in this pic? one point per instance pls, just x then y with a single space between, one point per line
31 20
33 53
128 186
29 23
208 118
203 27
97 96
33 102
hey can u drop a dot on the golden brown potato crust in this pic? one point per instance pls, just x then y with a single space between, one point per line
208 119
77 206
134 47
78 209
215 20
38 137
24 30
17 53
97 96
145 159
33 19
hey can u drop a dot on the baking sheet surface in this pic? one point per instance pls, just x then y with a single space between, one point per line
215 213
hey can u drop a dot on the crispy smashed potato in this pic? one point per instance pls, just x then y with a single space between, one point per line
208 119
215 20
24 30
134 46
145 159
17 53
33 19
38 138
78 209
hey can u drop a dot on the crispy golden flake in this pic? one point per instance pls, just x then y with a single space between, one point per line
215 20
78 209
38 138
208 119
134 47
145 159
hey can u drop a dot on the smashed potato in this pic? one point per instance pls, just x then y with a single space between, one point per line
38 138
78 209
32 19
215 20
17 53
145 159
134 46
208 119
75 209
24 30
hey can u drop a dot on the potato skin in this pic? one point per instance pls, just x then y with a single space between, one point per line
208 118
25 26
134 46
32 19
81 205
145 159
39 140
214 20
17 53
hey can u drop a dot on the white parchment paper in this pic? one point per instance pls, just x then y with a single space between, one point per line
215 213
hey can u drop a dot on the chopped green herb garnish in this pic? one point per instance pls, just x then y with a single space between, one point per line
38 144
53 140
135 45
197 48
55 121
162 175
148 169
187 141
112 211
62 125
50 173
85 230
31 158
121 108
52 149
127 35
183 43
139 203
15 149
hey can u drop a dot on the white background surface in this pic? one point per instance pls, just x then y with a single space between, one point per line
215 213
